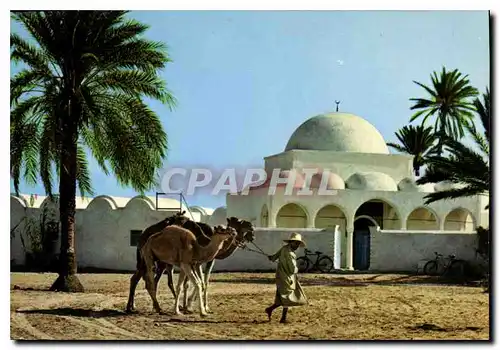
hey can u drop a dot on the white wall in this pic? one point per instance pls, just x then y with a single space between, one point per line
403 250
103 238
102 230
103 235
270 241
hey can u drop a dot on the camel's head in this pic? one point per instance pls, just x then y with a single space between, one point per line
225 233
178 219
244 229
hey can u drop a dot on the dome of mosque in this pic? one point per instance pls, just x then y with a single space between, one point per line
339 132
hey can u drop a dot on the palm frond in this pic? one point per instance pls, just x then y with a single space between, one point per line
452 194
117 67
82 173
449 103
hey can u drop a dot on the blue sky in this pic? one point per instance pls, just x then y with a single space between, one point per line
245 80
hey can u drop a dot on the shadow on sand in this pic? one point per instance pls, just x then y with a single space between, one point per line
75 312
179 320
40 289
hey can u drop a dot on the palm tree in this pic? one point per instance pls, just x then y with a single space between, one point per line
85 77
416 141
448 102
465 165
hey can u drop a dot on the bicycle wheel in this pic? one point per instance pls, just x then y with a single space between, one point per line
302 264
325 264
431 268
456 268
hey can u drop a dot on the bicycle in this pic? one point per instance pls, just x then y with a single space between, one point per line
451 266
323 263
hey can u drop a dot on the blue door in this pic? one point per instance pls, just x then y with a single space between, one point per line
361 249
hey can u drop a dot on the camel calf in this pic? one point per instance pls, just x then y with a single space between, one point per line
178 246
176 219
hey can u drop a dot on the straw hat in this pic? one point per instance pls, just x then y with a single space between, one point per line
295 237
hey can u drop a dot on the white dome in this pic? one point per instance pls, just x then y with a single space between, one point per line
339 132
334 181
372 181
218 217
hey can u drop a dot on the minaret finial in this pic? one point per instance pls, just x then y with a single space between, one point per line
337 102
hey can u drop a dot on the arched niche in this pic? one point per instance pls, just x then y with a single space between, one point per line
291 215
422 218
330 216
459 219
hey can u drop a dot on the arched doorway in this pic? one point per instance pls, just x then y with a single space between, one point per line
375 212
361 243
291 215
383 213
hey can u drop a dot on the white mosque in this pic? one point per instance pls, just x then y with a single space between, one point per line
375 190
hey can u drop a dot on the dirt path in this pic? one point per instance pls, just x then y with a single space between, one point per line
21 322
340 307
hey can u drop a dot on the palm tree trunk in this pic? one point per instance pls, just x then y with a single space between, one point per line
67 280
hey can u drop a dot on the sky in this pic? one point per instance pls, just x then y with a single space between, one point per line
245 80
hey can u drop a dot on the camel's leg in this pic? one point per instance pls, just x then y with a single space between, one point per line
201 275
208 271
197 284
185 288
160 268
150 283
136 277
170 276
182 276
198 271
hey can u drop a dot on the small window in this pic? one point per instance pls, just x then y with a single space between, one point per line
134 237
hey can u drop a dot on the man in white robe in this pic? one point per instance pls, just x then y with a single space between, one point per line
288 290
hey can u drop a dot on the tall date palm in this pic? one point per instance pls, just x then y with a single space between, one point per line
85 77
465 165
449 102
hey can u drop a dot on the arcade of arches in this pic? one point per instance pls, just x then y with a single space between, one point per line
293 215
371 213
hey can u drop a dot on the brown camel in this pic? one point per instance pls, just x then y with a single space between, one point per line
178 246
245 233
176 219
203 232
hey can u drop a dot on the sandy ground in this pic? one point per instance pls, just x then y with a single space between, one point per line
341 307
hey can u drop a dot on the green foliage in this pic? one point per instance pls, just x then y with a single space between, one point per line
464 165
416 141
100 61
449 102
